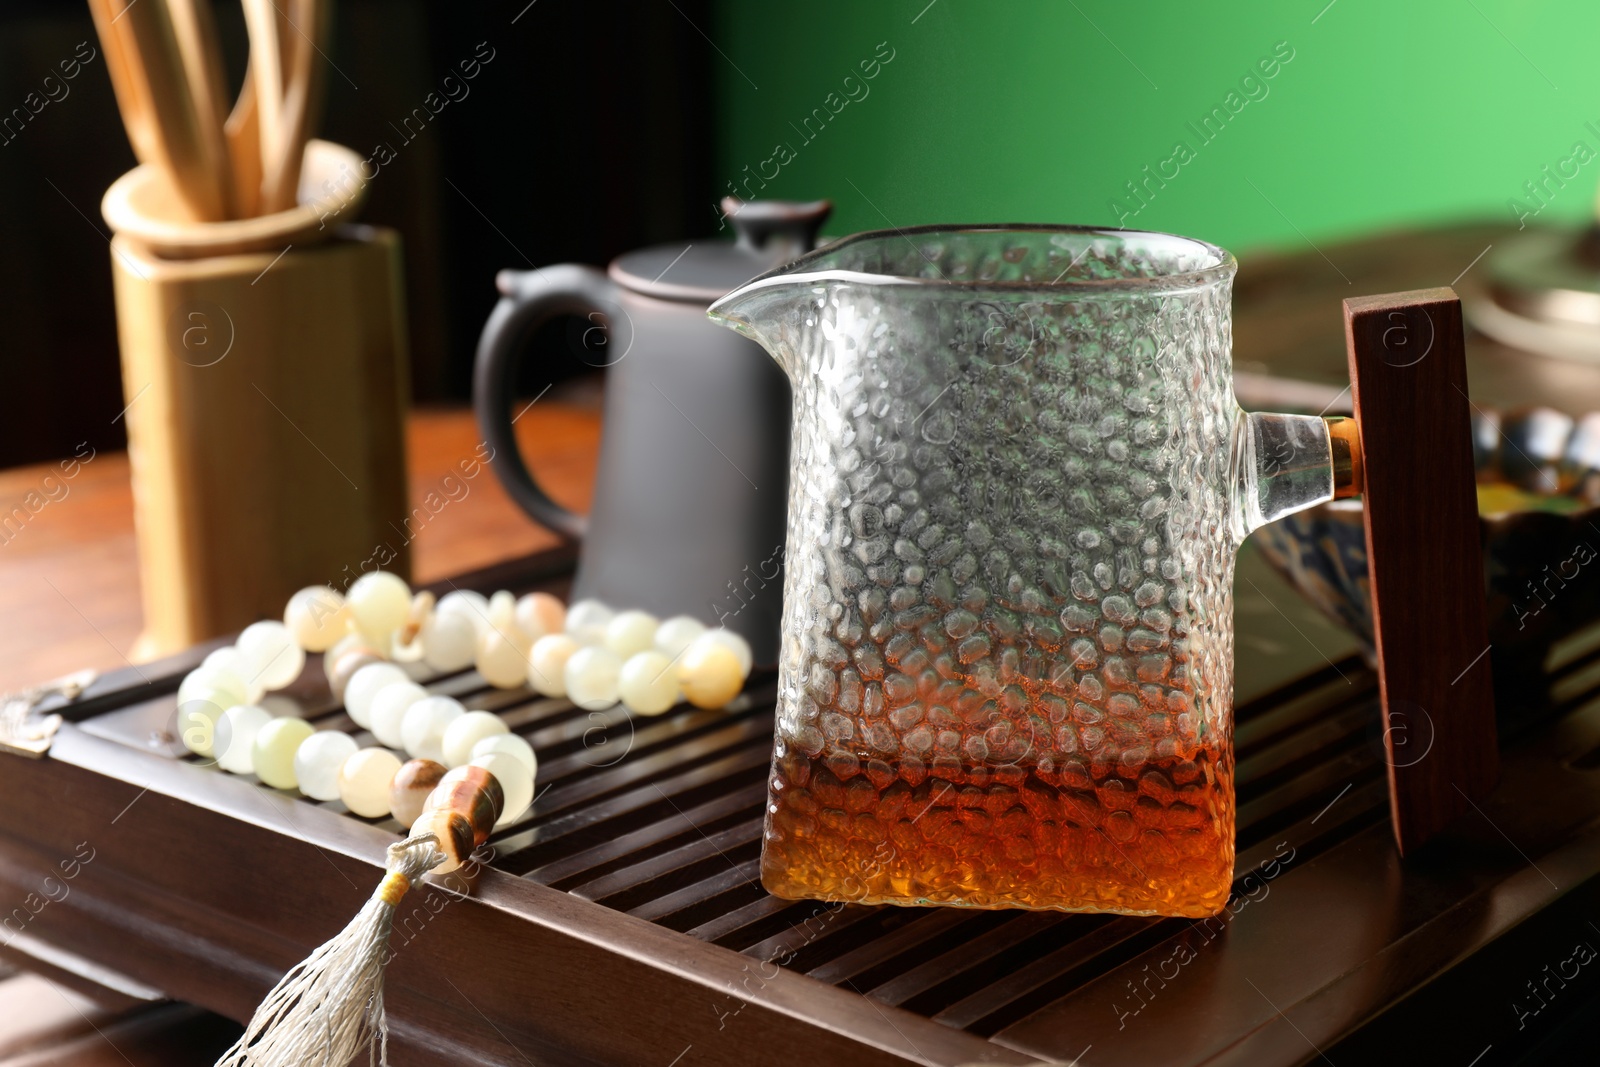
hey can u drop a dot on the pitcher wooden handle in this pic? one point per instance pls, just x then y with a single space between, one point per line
1408 384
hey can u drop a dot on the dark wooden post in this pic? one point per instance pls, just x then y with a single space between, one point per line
1408 379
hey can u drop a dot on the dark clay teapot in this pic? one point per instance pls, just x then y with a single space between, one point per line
692 487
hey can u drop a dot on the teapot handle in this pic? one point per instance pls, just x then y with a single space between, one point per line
528 300
1408 385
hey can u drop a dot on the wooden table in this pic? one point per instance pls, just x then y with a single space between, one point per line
68 577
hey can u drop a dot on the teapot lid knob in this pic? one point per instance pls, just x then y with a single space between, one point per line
758 222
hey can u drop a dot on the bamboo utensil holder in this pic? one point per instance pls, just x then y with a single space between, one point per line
264 363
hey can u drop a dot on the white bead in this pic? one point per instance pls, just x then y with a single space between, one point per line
674 635
648 683
317 762
387 711
467 603
547 664
735 644
196 722
465 732
631 631
587 620
235 737
540 613
511 744
709 673
449 642
591 677
502 656
424 725
317 617
516 782
379 602
272 755
365 684
502 610
228 658
205 679
364 781
272 659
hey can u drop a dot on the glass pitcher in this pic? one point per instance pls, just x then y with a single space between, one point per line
1018 480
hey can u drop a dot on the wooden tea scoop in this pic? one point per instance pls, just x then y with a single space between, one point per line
1412 463
163 124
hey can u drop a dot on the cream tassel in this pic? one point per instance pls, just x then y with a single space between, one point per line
331 1003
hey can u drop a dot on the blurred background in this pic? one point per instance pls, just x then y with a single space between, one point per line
605 125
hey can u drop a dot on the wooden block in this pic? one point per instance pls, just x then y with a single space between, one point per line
266 394
1409 388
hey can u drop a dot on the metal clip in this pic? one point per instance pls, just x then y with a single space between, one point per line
22 733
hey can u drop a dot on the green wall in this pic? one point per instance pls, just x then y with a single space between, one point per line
1389 113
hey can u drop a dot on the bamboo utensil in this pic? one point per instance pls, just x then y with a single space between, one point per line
164 114
243 132
196 29
266 71
302 99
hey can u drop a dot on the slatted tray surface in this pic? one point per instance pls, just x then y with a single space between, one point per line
660 819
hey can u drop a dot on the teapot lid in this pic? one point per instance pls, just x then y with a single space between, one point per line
769 233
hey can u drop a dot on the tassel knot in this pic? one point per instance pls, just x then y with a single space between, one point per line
331 1003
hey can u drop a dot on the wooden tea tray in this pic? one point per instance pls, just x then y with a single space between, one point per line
621 921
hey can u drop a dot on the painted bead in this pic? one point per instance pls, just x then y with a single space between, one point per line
216 679
272 754
196 722
388 711
351 660
631 631
364 781
512 745
317 762
648 683
271 656
591 677
317 617
379 602
449 642
422 729
587 620
413 783
453 832
502 656
229 659
467 731
515 782
235 737
674 635
364 684
475 793
469 604
709 674
539 614
734 643
547 664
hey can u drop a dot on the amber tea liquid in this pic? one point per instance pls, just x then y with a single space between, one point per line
1155 837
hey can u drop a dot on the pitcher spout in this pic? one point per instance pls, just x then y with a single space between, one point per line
760 310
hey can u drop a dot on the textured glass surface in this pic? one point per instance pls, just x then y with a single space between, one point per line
1007 651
